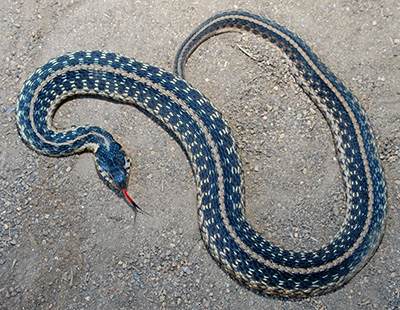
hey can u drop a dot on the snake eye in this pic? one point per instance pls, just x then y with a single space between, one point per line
127 165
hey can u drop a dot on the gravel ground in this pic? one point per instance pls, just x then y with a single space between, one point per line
68 242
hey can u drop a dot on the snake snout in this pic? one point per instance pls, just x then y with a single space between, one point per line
118 174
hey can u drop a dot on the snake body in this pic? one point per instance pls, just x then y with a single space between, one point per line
208 141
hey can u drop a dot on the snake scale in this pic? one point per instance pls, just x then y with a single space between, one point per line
211 149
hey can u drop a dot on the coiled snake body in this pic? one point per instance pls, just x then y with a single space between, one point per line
240 250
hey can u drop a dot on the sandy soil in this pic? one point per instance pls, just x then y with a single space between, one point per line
68 242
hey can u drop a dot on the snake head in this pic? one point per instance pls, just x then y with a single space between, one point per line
113 165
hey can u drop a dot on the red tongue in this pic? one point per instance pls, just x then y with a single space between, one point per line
130 199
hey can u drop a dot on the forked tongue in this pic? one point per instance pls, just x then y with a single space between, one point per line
130 200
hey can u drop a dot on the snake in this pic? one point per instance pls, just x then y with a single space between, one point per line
204 135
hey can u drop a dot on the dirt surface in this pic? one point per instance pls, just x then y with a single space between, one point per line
68 242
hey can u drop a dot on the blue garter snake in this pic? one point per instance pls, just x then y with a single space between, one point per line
211 149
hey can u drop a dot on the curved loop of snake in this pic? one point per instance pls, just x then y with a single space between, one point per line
208 141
